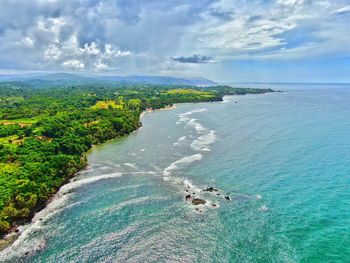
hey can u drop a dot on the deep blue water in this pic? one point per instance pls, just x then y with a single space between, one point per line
282 158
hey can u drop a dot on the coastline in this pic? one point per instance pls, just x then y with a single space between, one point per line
15 232
143 113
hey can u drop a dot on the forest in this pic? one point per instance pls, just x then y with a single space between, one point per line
46 131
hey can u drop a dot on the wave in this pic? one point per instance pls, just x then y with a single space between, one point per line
193 111
183 161
183 117
197 126
203 141
26 243
179 141
78 183
226 99
190 186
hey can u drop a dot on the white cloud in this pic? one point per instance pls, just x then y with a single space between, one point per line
26 42
291 2
342 10
140 36
102 66
90 56
73 64
262 29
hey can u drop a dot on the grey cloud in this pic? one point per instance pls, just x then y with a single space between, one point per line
143 34
227 15
41 36
195 59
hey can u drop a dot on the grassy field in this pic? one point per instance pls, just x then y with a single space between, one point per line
20 122
107 105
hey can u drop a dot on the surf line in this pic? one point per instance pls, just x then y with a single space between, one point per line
193 194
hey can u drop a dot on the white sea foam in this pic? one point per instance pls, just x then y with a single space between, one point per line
78 183
183 119
226 99
191 186
26 242
259 197
179 141
143 150
183 161
264 208
191 112
196 125
203 141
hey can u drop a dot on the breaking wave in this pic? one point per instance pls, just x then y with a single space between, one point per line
202 142
26 243
183 161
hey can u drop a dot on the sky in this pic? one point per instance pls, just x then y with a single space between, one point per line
223 40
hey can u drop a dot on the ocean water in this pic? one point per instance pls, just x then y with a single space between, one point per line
282 158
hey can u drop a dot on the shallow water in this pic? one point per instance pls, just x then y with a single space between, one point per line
283 158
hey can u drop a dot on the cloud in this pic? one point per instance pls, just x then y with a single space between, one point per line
342 10
141 36
73 64
196 59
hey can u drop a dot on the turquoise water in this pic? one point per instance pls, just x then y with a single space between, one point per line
283 158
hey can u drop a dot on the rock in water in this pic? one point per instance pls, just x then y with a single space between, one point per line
227 198
211 189
198 201
187 197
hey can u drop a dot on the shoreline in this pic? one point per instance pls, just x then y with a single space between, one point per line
143 113
15 232
9 238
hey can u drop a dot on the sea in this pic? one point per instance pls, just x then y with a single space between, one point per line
272 172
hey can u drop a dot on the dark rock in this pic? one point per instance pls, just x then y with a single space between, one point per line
227 197
186 190
217 194
193 193
211 189
16 230
213 205
198 201
187 197
26 253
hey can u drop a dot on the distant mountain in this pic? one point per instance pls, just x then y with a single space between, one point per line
160 80
72 79
9 77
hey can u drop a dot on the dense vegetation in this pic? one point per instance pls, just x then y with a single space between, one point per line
46 131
